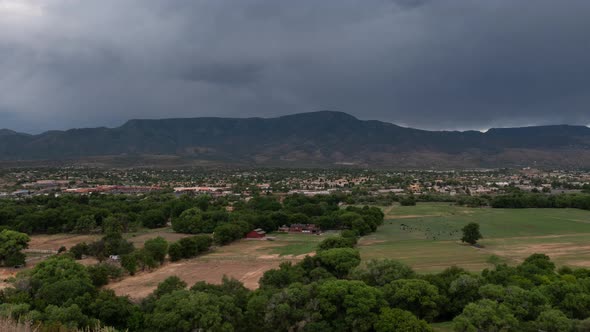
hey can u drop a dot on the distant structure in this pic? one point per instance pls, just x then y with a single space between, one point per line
114 190
300 228
258 233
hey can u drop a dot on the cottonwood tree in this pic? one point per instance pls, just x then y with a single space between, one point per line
471 233
11 245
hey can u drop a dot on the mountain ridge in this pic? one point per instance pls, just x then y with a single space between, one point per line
323 137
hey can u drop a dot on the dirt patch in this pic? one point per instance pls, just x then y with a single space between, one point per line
55 241
553 250
548 236
139 240
302 256
191 271
273 256
88 261
585 263
6 273
286 257
367 242
243 260
411 216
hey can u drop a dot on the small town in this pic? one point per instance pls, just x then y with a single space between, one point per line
242 184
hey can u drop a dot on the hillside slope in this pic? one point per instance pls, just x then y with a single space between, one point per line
319 138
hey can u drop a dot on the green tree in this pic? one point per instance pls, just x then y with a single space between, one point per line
184 310
526 305
379 272
397 320
339 261
169 285
157 248
408 200
337 242
79 250
59 279
112 310
349 305
71 317
129 263
99 275
112 227
85 224
153 218
190 221
192 246
417 296
227 233
11 244
471 233
286 274
175 251
553 321
485 315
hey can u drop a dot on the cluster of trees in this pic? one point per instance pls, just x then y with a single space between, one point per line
86 214
408 200
328 292
189 247
534 200
188 214
516 198
268 213
152 255
520 199
347 239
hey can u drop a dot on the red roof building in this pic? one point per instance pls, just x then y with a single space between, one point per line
301 228
256 234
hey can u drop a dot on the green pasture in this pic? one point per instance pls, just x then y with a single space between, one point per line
427 236
297 244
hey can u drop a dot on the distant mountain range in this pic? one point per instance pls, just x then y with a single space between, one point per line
308 139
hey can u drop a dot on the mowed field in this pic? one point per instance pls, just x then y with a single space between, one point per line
426 236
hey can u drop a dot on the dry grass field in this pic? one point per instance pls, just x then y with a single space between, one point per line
244 260
55 241
139 238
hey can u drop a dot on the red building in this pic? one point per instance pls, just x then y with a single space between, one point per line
256 234
301 228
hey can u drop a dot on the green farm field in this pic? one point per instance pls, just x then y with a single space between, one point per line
426 236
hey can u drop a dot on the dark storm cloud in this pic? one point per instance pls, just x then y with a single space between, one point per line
452 64
232 74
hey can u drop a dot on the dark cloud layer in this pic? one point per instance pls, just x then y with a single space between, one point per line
448 64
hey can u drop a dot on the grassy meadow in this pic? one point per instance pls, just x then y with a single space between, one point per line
426 236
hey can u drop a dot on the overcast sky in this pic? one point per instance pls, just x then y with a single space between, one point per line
434 64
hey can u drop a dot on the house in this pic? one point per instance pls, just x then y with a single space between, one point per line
300 228
258 233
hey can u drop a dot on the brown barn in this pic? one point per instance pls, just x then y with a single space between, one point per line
301 228
256 234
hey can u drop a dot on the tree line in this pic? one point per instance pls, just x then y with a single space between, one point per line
330 291
187 213
520 199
